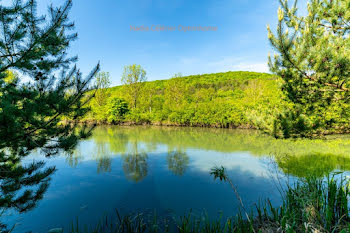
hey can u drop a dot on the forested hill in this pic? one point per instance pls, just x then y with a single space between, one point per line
209 80
213 79
231 99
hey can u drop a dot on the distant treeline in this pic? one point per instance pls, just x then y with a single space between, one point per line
225 100
232 99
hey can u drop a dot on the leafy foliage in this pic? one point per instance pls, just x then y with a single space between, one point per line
117 108
227 100
232 99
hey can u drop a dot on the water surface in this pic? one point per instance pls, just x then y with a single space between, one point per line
166 169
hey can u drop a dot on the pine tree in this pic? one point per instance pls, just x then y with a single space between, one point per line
313 59
45 88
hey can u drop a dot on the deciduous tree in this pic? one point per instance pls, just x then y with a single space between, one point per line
100 101
102 82
133 77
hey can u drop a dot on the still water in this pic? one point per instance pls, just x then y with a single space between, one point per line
166 170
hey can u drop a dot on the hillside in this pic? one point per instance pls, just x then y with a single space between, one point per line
231 99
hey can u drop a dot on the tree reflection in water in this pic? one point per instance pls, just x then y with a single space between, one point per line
135 164
177 162
102 154
73 159
317 157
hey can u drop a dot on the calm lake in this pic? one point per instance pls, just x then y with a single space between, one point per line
166 170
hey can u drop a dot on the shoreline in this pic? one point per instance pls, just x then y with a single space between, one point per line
168 124
217 126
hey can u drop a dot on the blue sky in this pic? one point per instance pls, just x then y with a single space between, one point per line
240 42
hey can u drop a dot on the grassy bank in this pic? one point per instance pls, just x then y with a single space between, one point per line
310 205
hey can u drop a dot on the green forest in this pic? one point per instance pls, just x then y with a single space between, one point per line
226 100
232 99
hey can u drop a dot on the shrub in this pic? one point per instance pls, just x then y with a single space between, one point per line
117 108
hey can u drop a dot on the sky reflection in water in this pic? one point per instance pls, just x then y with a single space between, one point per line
167 170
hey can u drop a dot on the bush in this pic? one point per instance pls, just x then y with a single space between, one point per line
117 108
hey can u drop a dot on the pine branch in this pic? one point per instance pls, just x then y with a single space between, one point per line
56 23
285 53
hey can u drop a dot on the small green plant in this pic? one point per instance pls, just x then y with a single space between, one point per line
220 173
